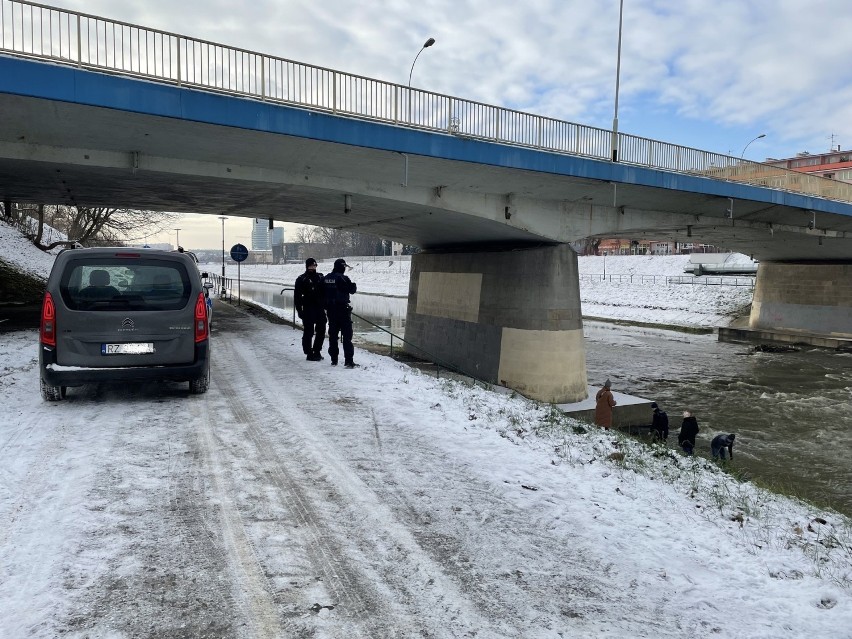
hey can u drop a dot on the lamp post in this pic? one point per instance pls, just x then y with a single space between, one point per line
223 218
762 135
426 45
177 237
617 82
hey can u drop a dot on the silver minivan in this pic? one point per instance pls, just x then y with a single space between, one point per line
120 314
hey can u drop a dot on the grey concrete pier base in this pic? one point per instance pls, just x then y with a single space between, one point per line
507 317
809 299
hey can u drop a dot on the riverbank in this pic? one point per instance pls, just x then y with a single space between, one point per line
636 289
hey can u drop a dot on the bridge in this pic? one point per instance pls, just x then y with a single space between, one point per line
99 112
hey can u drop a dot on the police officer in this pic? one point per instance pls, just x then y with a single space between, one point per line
338 288
309 299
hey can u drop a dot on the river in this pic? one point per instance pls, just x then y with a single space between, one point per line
791 412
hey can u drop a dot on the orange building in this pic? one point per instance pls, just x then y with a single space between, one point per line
833 165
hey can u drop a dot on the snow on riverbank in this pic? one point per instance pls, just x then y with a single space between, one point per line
648 297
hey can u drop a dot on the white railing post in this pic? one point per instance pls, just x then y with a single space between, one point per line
178 62
334 91
263 77
79 43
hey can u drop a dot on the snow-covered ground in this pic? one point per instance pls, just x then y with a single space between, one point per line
295 499
635 288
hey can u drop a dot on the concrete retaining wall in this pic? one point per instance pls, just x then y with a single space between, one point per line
508 317
809 298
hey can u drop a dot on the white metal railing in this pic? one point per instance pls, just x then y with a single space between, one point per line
68 37
667 280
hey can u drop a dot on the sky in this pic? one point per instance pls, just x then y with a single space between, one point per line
398 503
708 75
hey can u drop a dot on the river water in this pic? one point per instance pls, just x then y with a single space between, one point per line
791 412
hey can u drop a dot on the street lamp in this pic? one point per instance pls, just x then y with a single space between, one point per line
223 218
426 45
177 237
617 79
762 135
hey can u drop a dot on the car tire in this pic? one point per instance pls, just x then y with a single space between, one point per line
199 385
51 393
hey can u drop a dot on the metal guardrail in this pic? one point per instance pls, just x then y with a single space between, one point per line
439 364
431 358
68 37
694 280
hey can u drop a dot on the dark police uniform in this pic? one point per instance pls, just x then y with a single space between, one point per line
309 299
338 288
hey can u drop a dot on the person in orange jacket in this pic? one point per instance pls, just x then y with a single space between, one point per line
604 401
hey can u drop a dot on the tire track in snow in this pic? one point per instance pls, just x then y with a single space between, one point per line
411 575
254 588
323 553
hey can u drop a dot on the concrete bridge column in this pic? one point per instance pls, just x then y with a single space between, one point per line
808 298
508 317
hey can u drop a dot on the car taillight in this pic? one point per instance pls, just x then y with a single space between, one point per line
201 319
48 321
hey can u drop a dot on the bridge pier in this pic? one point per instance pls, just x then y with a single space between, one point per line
803 298
510 317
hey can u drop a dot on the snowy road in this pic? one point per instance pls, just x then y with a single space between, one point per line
300 500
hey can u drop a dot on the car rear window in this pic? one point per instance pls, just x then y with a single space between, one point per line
115 284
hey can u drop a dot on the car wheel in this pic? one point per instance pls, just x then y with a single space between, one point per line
51 393
200 384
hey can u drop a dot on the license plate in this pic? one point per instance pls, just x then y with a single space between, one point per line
136 348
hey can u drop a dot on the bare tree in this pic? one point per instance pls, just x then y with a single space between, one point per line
305 234
342 242
100 225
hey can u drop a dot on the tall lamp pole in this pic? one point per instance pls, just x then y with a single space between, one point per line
617 82
223 218
426 45
177 237
762 135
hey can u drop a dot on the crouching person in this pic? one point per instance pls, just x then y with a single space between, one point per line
720 443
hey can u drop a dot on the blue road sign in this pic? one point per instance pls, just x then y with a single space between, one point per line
239 253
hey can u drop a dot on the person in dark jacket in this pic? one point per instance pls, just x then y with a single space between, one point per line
338 288
659 423
720 443
309 299
688 431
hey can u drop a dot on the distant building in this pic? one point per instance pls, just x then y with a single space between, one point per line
622 246
277 235
260 240
833 165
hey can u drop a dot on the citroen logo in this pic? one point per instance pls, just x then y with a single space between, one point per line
127 323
